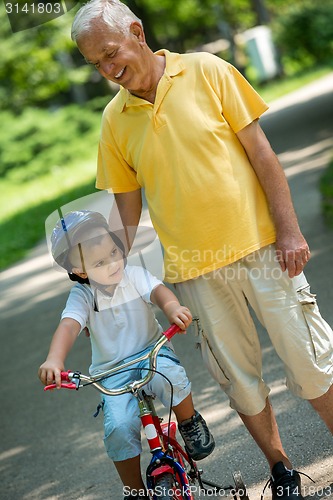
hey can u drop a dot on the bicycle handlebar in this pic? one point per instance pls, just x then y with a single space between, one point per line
72 379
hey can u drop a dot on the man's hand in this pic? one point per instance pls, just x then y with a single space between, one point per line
293 253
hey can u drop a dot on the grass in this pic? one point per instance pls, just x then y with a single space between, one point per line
280 87
61 166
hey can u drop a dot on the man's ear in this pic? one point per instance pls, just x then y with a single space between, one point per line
137 30
79 272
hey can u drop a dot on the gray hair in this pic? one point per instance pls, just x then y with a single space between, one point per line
115 14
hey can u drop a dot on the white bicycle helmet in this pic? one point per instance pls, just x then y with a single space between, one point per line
63 237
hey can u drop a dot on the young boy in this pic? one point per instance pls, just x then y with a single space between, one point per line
113 301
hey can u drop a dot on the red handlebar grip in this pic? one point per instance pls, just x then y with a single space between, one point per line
68 385
171 331
64 376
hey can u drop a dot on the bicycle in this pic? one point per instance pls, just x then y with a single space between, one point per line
171 473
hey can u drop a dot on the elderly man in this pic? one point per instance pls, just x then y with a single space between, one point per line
185 128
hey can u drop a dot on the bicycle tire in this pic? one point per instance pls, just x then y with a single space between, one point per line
240 485
166 488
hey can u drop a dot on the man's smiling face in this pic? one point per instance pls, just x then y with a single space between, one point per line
119 58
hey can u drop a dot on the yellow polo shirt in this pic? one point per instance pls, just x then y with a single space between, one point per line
204 197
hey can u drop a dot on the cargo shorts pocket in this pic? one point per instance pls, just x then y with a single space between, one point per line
208 355
197 330
320 331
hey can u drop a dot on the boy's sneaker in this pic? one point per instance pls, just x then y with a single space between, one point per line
284 483
198 440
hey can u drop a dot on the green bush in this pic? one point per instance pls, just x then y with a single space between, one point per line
304 33
37 141
326 188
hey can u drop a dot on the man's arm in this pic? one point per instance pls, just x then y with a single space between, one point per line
130 207
291 246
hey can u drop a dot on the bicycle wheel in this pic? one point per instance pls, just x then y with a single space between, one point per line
166 488
240 485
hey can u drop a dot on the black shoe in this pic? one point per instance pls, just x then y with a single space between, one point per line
199 442
284 483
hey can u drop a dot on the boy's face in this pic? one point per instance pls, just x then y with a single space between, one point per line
103 262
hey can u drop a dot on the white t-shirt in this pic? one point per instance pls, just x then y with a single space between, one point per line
124 324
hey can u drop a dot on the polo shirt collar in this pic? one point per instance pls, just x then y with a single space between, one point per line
173 66
173 62
100 295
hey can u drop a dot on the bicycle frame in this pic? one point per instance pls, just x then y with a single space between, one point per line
168 456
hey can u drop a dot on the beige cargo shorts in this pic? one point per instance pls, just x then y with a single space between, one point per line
228 338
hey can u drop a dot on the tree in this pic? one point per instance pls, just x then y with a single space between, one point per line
304 33
37 65
41 66
261 11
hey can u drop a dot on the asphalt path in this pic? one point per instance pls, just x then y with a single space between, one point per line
51 446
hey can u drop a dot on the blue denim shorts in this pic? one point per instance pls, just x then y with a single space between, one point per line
122 425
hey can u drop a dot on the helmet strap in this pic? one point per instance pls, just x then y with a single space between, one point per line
81 258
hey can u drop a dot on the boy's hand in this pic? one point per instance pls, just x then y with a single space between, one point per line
166 300
180 315
50 372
